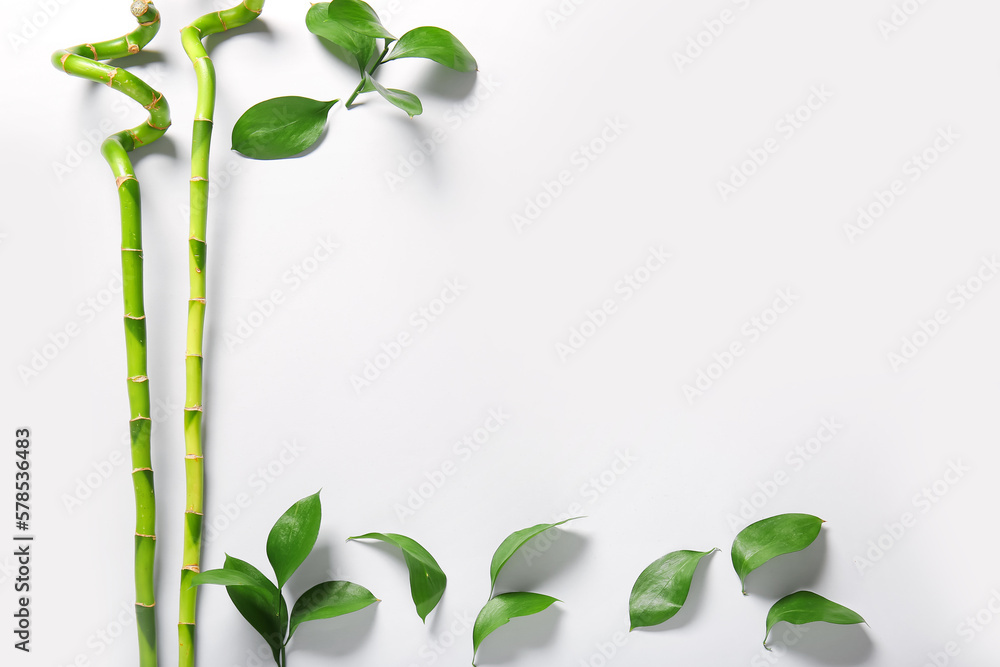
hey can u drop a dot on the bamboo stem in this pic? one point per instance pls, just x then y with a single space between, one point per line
81 61
194 463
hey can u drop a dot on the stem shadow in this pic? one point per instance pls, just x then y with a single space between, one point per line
255 27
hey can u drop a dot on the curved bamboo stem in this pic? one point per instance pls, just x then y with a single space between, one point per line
194 463
81 61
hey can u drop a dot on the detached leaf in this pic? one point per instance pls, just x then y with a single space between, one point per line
808 607
261 605
435 44
427 579
224 577
513 542
499 610
358 16
280 127
329 599
662 588
406 101
293 537
761 541
318 20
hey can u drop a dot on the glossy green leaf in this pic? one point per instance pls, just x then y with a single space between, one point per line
808 607
280 127
261 605
761 541
329 599
406 101
427 579
435 44
662 588
358 16
318 20
224 577
500 609
512 543
293 537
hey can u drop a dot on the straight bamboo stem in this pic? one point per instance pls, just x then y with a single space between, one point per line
194 462
81 61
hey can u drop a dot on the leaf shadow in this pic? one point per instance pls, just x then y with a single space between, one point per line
692 606
788 573
446 83
340 53
832 644
508 642
539 559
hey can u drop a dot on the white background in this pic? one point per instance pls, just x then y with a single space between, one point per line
545 88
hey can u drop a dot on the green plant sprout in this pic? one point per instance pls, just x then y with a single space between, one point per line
500 609
261 601
82 61
286 126
194 464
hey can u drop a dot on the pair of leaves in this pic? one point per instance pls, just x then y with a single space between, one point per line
427 579
260 601
500 609
283 127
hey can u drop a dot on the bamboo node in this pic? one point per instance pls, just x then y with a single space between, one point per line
140 418
133 250
193 457
192 354
222 21
62 60
133 48
147 606
156 100
126 177
194 512
130 316
195 238
192 568
138 534
255 11
149 121
135 470
203 120
91 47
195 179
111 77
138 378
194 408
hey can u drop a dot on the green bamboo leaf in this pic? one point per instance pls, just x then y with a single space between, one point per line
358 16
427 579
808 607
318 21
406 101
280 127
435 44
257 605
662 588
512 543
224 577
500 609
293 537
761 541
329 599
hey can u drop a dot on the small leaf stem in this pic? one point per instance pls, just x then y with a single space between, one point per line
357 91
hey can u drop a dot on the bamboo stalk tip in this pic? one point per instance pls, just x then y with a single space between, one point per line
139 7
